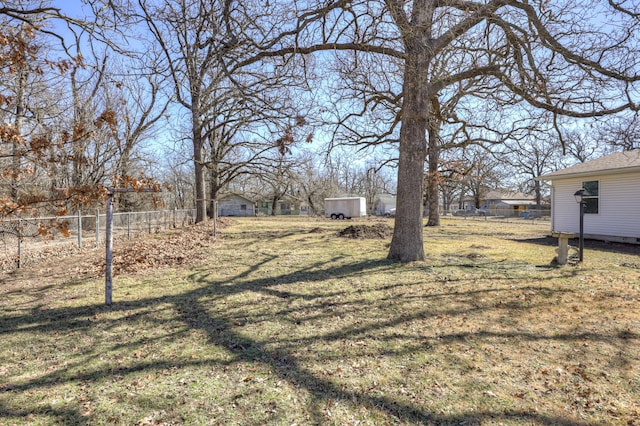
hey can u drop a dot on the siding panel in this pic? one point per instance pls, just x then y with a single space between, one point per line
618 209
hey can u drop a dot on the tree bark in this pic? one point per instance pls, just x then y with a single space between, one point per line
20 111
214 188
199 175
433 177
407 243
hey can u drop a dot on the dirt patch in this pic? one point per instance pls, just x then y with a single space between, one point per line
379 230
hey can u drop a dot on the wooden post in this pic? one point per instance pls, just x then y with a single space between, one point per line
108 281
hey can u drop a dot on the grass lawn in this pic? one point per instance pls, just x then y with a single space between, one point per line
286 323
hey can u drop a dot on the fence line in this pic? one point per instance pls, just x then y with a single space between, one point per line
21 239
498 213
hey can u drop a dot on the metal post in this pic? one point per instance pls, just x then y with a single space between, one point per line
19 251
97 227
108 281
79 229
128 225
582 203
215 219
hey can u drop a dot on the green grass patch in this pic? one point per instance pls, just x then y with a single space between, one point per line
287 323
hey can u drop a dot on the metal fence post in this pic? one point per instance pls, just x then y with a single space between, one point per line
19 252
108 281
79 229
128 225
97 227
215 219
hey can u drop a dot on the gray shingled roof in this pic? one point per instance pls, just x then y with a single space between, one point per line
619 162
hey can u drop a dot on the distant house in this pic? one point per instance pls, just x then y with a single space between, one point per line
612 204
235 205
507 203
502 203
285 206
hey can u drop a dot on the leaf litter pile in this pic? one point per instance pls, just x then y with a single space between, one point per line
179 247
185 247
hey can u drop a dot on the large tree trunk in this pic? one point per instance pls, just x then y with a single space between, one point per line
407 244
433 177
123 201
199 167
312 207
214 188
20 112
538 190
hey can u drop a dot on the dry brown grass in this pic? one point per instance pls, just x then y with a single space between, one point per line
286 323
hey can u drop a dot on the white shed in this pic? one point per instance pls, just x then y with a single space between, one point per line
612 209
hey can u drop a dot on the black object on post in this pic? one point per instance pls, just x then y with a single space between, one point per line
579 195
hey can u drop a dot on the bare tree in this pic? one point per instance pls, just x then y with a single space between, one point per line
63 130
622 132
556 56
233 103
136 93
28 108
483 174
279 178
532 156
313 182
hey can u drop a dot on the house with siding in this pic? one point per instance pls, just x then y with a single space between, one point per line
612 201
507 203
285 206
501 203
235 205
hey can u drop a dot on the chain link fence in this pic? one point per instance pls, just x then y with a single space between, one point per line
27 239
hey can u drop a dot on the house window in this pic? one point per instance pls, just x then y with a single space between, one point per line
243 207
591 197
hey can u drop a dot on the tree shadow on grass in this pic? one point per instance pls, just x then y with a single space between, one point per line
63 416
221 330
